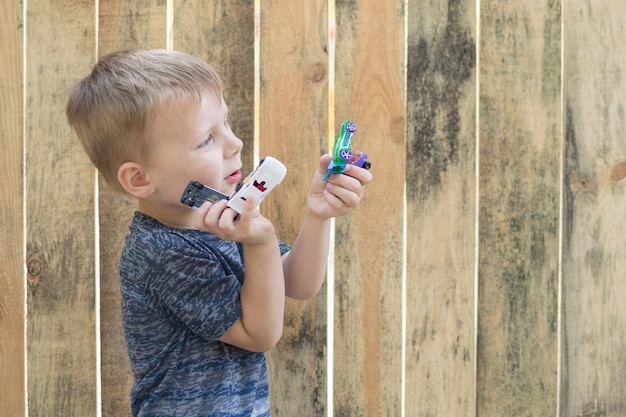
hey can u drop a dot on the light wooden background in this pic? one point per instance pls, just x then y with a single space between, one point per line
483 275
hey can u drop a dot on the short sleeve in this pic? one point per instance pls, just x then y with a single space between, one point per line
195 289
282 246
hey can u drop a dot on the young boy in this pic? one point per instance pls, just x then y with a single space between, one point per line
203 290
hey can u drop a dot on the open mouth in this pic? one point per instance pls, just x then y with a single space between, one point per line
234 177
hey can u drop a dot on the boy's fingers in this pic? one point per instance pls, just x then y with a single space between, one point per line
248 207
200 216
323 165
228 218
213 211
362 174
205 207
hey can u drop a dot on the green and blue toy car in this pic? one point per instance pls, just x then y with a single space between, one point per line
342 152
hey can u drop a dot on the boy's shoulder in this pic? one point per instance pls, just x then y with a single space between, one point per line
149 232
147 239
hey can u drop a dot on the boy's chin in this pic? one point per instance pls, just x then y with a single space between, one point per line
228 190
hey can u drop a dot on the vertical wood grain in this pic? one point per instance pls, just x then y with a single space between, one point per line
368 262
222 33
60 237
520 158
523 135
122 25
293 120
12 297
594 230
441 200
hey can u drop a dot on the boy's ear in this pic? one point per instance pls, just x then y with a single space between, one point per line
132 177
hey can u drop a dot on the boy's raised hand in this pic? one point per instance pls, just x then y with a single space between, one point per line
340 194
249 228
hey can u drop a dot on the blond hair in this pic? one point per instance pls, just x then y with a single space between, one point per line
111 108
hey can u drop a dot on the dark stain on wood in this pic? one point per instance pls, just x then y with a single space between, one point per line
572 162
436 73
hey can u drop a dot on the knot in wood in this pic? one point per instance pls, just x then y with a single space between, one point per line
618 172
34 269
316 72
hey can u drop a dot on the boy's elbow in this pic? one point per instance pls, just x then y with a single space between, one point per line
302 294
261 340
267 342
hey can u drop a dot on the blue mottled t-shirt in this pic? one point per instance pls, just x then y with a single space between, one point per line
180 293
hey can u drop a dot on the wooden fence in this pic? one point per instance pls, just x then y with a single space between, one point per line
484 273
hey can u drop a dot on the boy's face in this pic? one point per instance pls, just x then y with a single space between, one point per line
193 141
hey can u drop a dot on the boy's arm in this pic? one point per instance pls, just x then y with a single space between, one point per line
305 264
262 300
262 296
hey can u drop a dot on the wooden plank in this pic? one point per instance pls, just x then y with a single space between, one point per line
122 25
520 158
12 318
594 250
59 183
206 29
136 24
369 90
441 200
293 123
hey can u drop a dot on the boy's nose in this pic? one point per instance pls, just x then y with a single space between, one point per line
234 145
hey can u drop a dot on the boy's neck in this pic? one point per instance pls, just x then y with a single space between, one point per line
175 217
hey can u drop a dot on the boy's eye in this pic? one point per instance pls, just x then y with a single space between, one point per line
206 142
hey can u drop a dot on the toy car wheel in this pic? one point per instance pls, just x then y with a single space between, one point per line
351 127
346 155
367 165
